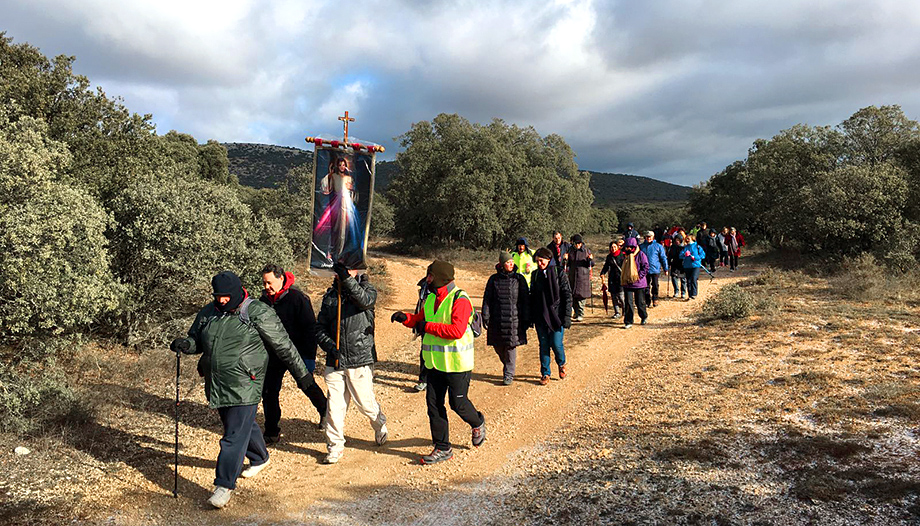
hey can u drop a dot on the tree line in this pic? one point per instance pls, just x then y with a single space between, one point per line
842 191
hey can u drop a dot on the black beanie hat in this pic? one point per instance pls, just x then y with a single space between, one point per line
543 253
228 284
576 238
441 273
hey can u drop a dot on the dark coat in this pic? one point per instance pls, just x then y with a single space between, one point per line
613 267
558 251
235 352
356 340
580 272
550 298
505 309
296 313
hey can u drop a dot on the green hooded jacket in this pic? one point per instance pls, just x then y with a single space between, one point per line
235 351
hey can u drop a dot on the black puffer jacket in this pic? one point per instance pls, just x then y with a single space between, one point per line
613 267
356 340
505 308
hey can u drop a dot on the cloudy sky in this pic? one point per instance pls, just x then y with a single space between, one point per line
671 89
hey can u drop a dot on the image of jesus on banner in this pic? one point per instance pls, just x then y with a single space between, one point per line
340 209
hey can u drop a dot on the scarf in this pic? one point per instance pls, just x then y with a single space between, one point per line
630 272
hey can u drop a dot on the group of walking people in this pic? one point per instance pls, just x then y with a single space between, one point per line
247 345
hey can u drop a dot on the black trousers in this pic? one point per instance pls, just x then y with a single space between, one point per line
242 439
635 299
457 386
651 291
733 261
422 370
271 390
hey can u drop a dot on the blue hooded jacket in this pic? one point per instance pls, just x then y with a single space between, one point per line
657 256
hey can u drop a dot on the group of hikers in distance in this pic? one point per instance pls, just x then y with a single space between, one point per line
247 345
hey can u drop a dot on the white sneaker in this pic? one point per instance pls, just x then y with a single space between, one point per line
381 436
333 457
220 497
252 471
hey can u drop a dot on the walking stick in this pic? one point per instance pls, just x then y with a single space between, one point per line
176 457
338 325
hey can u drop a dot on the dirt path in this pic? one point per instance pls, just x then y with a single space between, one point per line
386 484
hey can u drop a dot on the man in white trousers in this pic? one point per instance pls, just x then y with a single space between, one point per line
349 376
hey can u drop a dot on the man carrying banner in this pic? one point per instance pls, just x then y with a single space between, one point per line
447 347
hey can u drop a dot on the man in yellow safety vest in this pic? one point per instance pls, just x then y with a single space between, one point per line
447 348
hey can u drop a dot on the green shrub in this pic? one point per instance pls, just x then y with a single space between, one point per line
172 235
35 396
54 263
731 303
382 222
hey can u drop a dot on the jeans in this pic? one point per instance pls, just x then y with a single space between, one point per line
693 276
635 300
550 339
457 385
679 282
242 439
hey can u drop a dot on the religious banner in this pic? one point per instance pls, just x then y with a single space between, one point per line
343 186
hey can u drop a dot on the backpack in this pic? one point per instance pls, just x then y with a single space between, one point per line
476 322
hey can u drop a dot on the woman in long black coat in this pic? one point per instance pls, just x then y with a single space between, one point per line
505 313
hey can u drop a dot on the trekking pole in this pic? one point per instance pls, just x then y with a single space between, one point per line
176 455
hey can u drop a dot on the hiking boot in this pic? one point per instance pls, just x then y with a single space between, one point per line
220 497
616 315
272 439
544 380
322 423
507 380
252 471
628 326
437 455
333 457
562 371
654 303
479 433
380 437
421 386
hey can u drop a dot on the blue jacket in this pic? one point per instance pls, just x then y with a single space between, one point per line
657 256
693 256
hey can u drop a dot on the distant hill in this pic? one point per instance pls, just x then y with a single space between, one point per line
265 166
613 189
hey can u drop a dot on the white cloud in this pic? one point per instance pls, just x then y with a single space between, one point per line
674 89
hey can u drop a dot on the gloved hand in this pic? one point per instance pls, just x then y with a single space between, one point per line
420 327
305 382
567 322
398 317
340 270
179 345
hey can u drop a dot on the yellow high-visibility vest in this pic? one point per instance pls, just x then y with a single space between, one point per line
525 264
449 356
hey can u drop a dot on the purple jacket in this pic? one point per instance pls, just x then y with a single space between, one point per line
641 262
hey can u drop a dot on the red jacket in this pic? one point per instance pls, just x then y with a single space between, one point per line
459 318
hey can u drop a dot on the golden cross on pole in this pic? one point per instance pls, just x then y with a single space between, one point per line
346 119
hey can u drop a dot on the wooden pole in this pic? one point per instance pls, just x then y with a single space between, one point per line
338 325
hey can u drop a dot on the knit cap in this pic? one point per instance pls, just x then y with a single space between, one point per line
441 273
